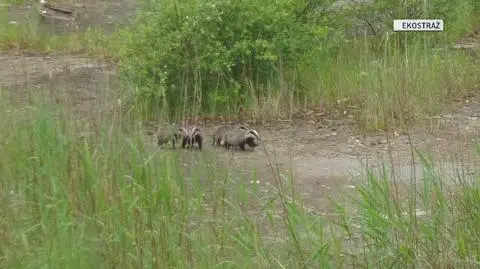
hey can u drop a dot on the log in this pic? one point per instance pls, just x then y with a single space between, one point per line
58 9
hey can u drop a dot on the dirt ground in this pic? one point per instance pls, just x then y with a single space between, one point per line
84 13
324 156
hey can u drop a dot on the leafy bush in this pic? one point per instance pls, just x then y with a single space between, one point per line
207 52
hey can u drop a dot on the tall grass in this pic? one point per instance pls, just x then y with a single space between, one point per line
110 199
369 77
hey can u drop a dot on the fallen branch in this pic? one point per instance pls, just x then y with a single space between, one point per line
45 15
58 9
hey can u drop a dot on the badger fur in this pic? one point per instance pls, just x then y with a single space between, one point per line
195 139
218 134
238 137
166 135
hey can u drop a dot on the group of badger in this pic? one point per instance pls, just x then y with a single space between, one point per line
228 136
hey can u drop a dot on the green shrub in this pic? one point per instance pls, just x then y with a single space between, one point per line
205 53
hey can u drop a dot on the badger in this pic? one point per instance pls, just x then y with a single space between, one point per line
238 137
164 136
217 135
195 138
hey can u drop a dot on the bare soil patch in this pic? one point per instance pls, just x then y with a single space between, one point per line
84 13
82 84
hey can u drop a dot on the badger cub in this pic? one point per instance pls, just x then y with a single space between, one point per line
195 140
170 134
239 137
218 134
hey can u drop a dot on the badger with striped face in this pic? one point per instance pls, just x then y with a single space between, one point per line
195 140
218 134
239 138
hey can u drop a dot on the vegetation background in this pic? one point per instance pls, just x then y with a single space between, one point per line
110 201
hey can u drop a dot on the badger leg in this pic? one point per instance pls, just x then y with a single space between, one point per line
173 142
242 146
199 144
184 143
226 145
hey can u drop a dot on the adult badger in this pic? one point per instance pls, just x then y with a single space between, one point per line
239 137
218 134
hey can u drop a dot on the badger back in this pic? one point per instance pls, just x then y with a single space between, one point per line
220 130
234 137
162 136
243 127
